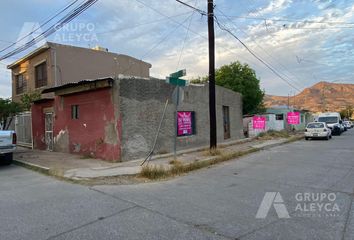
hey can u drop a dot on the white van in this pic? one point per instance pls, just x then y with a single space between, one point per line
333 120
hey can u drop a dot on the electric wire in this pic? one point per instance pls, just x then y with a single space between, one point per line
185 39
291 20
299 83
59 24
222 27
248 49
43 24
166 36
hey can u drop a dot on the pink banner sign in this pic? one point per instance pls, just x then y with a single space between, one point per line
184 123
293 118
259 122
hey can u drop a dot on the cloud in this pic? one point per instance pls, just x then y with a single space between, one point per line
273 7
298 49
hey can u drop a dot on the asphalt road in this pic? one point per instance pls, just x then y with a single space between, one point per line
216 203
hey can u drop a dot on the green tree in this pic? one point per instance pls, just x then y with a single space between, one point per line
28 98
199 80
8 110
347 112
241 78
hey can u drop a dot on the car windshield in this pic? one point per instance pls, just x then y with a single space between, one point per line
315 125
328 119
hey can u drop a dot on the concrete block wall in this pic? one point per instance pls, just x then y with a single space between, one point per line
141 105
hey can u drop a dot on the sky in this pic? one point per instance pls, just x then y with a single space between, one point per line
303 41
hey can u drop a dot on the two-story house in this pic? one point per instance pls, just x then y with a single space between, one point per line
56 64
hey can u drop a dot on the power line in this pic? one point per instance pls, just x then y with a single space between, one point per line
291 20
264 50
270 35
169 17
164 38
253 54
59 24
185 39
314 28
203 13
158 43
248 49
185 27
142 24
204 37
43 24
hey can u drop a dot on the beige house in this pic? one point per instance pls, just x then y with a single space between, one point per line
56 64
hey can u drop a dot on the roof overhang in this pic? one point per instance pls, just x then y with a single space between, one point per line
82 86
32 54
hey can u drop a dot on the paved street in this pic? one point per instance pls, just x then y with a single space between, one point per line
216 203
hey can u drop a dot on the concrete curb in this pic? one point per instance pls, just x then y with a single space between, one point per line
292 139
211 160
32 166
200 149
223 158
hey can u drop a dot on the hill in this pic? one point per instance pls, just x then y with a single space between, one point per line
322 96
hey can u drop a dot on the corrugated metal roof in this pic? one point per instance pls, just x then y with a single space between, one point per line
74 84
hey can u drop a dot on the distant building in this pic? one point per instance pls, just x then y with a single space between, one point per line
56 64
117 119
281 114
271 124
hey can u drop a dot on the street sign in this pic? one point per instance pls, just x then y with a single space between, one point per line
179 73
174 79
177 98
177 81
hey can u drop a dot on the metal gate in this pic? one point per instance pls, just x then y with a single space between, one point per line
48 121
23 129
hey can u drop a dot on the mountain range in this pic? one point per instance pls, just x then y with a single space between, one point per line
323 96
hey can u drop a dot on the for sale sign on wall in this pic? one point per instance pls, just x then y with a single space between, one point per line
184 123
293 118
259 122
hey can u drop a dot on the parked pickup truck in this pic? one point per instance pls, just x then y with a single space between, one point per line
7 146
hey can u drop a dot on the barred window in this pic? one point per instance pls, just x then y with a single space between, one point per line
21 84
41 75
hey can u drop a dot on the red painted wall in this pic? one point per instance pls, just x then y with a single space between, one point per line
38 123
87 134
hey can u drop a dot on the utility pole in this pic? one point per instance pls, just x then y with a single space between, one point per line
212 107
288 100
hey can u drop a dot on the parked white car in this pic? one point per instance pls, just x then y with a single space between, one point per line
318 130
7 146
348 124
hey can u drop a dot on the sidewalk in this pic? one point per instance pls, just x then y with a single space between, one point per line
75 167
